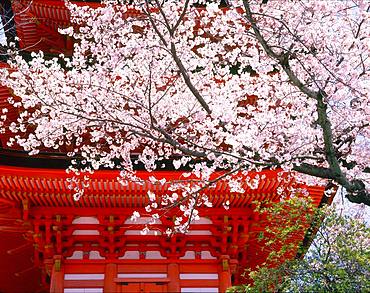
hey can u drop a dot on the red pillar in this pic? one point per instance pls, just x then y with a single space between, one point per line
110 275
57 276
173 274
224 274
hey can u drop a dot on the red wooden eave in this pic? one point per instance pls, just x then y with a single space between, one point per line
49 187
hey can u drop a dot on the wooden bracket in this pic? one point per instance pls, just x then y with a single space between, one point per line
25 205
57 265
225 264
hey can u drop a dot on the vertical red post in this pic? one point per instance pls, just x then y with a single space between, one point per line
173 274
110 275
224 274
57 276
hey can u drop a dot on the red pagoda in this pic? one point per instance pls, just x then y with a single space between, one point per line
49 242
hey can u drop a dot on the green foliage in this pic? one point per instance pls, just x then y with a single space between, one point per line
287 219
338 259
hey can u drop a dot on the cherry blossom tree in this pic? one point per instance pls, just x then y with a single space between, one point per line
241 87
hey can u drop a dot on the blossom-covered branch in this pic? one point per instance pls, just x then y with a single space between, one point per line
246 87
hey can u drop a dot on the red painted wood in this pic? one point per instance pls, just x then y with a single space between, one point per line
224 273
199 268
199 283
142 267
129 287
154 287
83 284
109 278
57 276
173 275
141 280
80 267
51 183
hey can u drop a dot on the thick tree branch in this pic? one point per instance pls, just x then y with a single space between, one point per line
313 170
187 80
357 192
281 58
174 54
174 28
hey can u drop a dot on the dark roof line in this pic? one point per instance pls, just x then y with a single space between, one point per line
49 160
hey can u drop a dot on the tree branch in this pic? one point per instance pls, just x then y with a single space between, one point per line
356 191
187 80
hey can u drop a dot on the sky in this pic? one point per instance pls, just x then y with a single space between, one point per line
351 209
2 34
